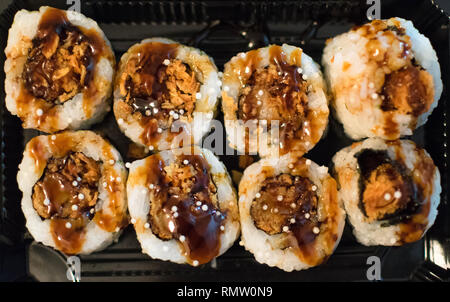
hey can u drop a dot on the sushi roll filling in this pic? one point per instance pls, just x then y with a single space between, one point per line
287 204
67 188
62 59
276 92
158 88
408 90
387 193
185 206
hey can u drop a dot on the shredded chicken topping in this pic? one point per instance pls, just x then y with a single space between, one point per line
58 65
68 187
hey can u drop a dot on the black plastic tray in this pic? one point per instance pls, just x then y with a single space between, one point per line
218 27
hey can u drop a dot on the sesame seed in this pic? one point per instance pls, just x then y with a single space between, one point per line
260 92
74 207
258 103
241 243
182 238
195 263
53 137
175 214
174 208
81 196
198 203
105 184
148 112
166 62
397 194
242 55
222 228
280 197
285 228
387 196
291 166
152 104
275 210
293 205
120 121
198 95
117 229
171 112
307 215
111 161
299 70
159 130
292 220
218 213
265 207
205 207
92 211
374 96
118 178
79 178
46 202
151 186
314 188
181 111
176 116
151 148
146 225
371 85
258 195
39 112
316 230
155 110
133 221
128 165
308 162
304 77
68 225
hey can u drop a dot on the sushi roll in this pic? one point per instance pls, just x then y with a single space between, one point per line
274 101
73 186
384 77
390 190
165 94
290 214
183 205
59 70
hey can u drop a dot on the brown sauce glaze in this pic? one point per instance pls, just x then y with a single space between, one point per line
423 175
68 240
60 64
115 218
198 220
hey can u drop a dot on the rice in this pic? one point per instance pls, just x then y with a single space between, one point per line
377 88
403 225
285 248
106 219
82 106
